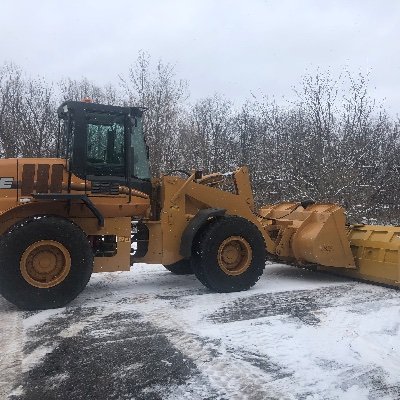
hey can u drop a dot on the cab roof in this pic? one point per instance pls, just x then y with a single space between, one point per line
96 107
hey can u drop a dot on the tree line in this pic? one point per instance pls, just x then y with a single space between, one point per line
332 143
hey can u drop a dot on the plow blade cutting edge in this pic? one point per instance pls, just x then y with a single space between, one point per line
376 251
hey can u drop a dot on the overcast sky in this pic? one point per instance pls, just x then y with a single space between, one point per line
231 47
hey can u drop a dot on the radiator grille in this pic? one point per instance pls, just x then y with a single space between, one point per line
103 187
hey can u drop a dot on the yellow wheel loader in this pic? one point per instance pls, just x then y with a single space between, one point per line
63 218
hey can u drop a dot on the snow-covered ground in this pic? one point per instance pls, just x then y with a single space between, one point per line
149 334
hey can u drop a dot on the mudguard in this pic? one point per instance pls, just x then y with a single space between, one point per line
193 227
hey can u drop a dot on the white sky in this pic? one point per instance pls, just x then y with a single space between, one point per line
231 47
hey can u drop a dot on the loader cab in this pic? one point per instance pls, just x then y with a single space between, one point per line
104 143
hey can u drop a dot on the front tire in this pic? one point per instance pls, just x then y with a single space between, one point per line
45 262
229 255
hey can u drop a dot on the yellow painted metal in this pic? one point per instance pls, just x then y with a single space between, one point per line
179 199
234 255
315 234
109 206
155 248
121 228
243 186
45 264
376 251
182 199
117 210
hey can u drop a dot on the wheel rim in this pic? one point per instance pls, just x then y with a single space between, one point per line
234 255
45 264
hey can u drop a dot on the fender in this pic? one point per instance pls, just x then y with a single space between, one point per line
42 207
25 210
193 227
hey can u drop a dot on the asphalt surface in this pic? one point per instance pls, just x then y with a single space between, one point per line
149 334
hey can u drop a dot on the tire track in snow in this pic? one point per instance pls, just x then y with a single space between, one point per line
11 344
231 376
99 352
301 304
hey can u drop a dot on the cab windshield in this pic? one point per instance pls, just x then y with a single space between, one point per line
106 146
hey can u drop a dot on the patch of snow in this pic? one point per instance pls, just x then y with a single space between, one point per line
19 391
11 344
35 357
330 338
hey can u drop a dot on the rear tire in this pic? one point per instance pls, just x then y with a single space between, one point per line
229 255
45 262
181 267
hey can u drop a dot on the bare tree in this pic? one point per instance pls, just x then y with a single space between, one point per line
78 90
211 125
163 96
38 119
11 98
333 143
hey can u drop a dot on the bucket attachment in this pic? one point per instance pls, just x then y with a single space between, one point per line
315 233
376 251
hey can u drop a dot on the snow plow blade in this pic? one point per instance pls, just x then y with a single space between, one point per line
313 233
376 251
317 234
